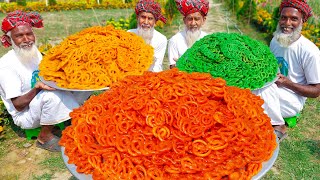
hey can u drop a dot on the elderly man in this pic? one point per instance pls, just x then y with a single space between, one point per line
148 13
300 66
194 14
31 103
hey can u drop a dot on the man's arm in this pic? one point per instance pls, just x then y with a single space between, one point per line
173 54
21 102
159 52
310 90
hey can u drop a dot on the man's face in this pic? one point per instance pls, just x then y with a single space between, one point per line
194 21
146 20
290 19
23 43
23 36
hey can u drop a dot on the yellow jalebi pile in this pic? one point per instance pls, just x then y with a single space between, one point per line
95 58
170 125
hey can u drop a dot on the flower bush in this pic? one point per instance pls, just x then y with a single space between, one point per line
266 17
62 6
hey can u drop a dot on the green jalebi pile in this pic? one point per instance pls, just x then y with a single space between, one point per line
240 60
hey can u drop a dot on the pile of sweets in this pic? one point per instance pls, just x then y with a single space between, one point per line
95 58
240 60
170 125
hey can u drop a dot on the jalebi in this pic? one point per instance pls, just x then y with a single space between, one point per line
95 58
240 60
170 125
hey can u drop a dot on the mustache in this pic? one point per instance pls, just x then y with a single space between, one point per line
145 26
26 44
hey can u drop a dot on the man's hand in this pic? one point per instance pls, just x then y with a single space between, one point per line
21 102
308 90
42 86
172 66
283 81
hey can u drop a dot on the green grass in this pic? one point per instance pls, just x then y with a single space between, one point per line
45 176
299 156
55 163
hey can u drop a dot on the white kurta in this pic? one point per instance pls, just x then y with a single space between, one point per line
303 60
159 44
46 108
178 46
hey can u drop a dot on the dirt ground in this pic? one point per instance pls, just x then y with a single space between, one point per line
25 161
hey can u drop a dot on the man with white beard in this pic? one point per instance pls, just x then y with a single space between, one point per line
30 102
148 13
299 61
194 16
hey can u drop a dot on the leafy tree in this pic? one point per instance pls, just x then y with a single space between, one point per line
171 9
248 10
52 2
22 2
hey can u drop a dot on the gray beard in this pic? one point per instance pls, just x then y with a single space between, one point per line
285 40
28 57
192 36
146 34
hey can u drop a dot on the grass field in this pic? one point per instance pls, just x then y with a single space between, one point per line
299 156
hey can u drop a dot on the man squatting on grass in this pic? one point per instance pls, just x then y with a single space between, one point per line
300 60
30 102
148 13
194 14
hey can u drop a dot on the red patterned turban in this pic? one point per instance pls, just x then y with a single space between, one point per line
18 18
151 7
187 7
301 5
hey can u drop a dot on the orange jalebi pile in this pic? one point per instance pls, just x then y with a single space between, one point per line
170 125
96 57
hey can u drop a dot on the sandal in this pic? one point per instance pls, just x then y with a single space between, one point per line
281 136
51 145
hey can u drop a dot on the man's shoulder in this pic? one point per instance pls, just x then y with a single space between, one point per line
177 36
202 34
305 42
160 36
6 59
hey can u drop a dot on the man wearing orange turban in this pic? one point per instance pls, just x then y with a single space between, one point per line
194 16
299 60
148 13
30 102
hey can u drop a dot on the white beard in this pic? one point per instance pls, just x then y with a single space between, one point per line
285 40
27 56
192 36
146 33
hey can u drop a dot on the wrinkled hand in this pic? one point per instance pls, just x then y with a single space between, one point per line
41 85
282 81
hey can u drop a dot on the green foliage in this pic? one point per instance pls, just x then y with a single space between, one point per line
4 115
52 2
171 9
248 10
60 6
122 23
233 5
22 2
133 21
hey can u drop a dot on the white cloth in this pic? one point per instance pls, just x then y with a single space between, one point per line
159 44
303 60
178 46
46 108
